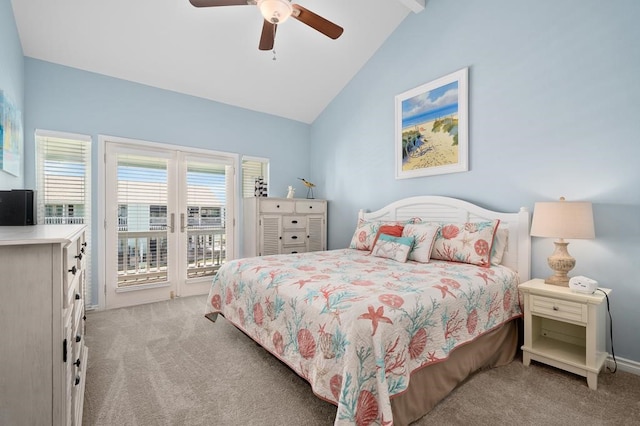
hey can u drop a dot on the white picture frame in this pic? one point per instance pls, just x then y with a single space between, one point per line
432 122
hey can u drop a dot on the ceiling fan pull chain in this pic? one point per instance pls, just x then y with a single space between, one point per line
274 38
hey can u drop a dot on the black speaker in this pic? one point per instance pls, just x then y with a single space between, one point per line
17 208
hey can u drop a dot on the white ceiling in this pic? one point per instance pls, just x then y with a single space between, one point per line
212 52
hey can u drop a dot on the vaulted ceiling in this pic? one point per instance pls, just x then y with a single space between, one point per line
213 52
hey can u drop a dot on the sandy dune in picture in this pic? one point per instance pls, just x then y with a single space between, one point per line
437 148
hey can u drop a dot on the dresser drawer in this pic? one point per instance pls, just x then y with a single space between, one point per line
294 249
293 237
310 206
276 206
294 222
558 308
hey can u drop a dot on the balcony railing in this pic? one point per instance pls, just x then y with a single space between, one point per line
143 255
56 220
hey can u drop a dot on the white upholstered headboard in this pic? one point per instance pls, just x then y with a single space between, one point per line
517 256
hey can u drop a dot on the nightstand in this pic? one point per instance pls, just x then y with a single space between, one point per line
565 329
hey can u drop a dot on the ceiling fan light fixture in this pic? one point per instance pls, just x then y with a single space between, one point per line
275 11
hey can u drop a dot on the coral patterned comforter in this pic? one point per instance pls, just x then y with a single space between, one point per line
355 326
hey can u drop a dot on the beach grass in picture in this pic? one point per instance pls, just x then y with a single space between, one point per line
432 127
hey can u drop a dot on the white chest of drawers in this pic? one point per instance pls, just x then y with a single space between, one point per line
42 357
283 226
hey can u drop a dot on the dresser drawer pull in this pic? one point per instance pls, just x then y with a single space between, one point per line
82 250
310 207
555 308
64 350
294 221
77 382
277 206
294 237
78 256
77 296
78 338
77 363
84 244
73 270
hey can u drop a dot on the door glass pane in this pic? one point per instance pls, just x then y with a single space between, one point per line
142 220
205 218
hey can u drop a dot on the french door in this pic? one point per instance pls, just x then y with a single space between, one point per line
169 222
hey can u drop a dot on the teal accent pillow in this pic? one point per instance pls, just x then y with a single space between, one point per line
395 248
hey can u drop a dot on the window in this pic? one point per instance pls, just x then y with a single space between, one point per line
63 184
252 168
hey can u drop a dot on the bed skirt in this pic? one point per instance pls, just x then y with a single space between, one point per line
433 383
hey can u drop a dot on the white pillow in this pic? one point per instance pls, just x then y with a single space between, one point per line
500 242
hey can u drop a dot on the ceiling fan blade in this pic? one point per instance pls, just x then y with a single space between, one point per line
213 3
268 35
316 22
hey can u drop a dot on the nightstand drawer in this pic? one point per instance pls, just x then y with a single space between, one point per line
558 308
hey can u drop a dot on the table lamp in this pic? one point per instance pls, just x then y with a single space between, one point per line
562 219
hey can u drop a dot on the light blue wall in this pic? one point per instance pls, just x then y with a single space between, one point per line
554 111
11 76
70 100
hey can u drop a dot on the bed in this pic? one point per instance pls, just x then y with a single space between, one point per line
381 337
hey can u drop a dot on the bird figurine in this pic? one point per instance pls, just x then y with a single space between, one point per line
309 186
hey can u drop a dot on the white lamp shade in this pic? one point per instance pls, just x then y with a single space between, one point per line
275 11
563 219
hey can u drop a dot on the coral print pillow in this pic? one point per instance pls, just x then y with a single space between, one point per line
395 248
469 242
424 235
366 232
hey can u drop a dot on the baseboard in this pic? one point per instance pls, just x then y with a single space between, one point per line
627 365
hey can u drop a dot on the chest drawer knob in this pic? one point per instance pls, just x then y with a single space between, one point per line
78 256
73 270
77 296
78 338
77 363
77 382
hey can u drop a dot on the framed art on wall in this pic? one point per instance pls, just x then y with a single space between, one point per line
10 136
432 121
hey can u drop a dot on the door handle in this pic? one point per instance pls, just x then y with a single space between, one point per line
171 222
182 227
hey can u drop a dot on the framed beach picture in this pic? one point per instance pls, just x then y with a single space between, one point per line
432 124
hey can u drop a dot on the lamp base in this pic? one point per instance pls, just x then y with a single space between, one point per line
561 262
555 280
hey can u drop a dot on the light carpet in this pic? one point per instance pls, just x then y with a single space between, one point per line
165 364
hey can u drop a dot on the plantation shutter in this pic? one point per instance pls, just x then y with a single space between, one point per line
253 168
63 184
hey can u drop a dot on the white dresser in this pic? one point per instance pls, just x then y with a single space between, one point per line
42 356
283 225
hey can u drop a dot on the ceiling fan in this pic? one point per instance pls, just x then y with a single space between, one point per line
276 12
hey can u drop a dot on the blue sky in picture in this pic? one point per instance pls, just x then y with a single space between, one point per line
428 106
